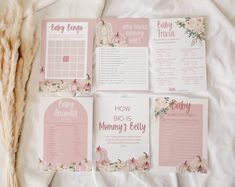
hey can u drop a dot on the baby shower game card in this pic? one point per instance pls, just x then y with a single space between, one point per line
66 60
122 134
122 54
67 133
182 134
178 54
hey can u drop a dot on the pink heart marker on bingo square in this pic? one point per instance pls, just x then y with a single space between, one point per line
65 58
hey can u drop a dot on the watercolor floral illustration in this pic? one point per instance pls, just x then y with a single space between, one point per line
75 87
83 165
162 105
198 165
194 28
142 163
106 38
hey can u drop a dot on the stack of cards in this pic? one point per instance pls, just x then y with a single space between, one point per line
157 55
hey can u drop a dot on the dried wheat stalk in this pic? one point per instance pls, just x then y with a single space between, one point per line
18 46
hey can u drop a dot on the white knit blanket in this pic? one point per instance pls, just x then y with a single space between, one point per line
221 93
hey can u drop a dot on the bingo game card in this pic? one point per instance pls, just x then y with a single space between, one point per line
65 64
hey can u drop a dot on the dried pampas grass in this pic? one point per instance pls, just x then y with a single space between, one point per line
18 46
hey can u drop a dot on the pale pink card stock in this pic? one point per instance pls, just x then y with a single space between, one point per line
122 32
182 134
67 133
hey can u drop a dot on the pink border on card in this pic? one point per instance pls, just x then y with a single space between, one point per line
55 121
115 26
85 83
90 40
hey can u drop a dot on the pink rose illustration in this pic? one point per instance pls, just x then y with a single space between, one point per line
194 29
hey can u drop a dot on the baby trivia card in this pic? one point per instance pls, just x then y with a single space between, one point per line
178 57
122 134
122 54
66 60
67 133
182 134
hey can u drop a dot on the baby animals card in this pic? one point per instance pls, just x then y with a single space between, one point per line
122 54
67 133
181 134
122 134
178 56
66 60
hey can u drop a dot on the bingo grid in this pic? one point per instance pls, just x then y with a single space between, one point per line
65 59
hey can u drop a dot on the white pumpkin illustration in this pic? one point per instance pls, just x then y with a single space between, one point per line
184 167
199 165
143 162
103 34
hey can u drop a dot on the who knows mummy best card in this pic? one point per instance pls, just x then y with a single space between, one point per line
122 54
